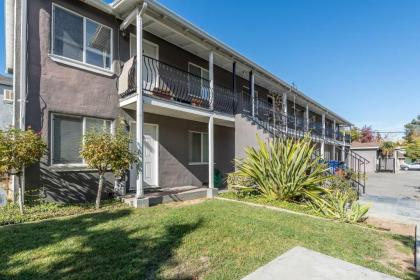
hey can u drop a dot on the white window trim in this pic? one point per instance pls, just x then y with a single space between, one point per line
133 37
83 118
203 135
7 100
201 68
81 64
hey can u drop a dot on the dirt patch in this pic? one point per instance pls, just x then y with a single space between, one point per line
392 226
185 203
398 252
398 257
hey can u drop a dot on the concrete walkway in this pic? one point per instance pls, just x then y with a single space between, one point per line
302 264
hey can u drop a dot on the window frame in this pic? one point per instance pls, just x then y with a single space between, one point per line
73 62
83 118
201 162
6 100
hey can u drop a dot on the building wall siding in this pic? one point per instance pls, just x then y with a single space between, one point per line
6 109
174 167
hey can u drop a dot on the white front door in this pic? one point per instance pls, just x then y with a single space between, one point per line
150 156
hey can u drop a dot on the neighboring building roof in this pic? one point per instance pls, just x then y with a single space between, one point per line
365 146
4 80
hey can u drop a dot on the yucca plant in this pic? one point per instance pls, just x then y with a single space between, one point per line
283 169
339 205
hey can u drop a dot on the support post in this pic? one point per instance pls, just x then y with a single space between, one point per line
334 142
343 150
285 117
323 136
139 108
212 191
234 88
307 117
252 92
211 78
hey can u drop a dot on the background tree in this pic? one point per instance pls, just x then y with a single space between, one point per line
412 137
412 149
387 148
106 152
367 135
355 134
20 148
412 129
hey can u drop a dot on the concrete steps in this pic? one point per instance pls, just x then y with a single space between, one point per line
166 195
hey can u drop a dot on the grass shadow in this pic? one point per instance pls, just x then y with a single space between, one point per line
89 247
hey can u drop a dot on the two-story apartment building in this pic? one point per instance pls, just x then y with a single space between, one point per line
190 102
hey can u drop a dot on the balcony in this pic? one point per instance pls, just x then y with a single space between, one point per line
316 128
166 82
169 83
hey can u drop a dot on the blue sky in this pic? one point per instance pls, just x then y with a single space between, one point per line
360 58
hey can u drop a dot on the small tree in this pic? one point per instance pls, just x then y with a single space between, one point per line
387 148
19 148
367 135
412 149
104 151
355 134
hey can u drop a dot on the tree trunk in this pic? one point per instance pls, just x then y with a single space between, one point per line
20 194
98 196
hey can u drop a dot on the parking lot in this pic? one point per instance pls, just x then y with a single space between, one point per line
404 184
394 196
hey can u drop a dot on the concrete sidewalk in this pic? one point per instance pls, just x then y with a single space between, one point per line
302 264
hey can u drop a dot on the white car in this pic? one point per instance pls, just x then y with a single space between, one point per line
411 166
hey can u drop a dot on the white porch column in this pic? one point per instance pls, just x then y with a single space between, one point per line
284 101
343 150
334 137
323 137
252 89
211 78
307 117
211 192
139 104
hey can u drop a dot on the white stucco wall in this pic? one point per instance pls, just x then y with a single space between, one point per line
370 155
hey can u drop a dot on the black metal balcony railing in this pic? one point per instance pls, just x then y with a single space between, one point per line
167 82
315 128
329 132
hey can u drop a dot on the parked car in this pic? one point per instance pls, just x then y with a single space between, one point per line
411 166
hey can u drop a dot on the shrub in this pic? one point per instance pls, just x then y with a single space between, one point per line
104 151
282 169
339 201
19 148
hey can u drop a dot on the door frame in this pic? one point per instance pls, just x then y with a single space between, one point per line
156 154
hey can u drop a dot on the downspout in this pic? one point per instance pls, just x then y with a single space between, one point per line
22 78
23 60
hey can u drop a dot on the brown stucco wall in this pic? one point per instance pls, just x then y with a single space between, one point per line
53 87
174 167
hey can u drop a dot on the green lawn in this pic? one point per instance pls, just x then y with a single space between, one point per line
210 240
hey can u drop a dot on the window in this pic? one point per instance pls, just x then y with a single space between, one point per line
67 136
199 78
199 147
8 96
81 39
